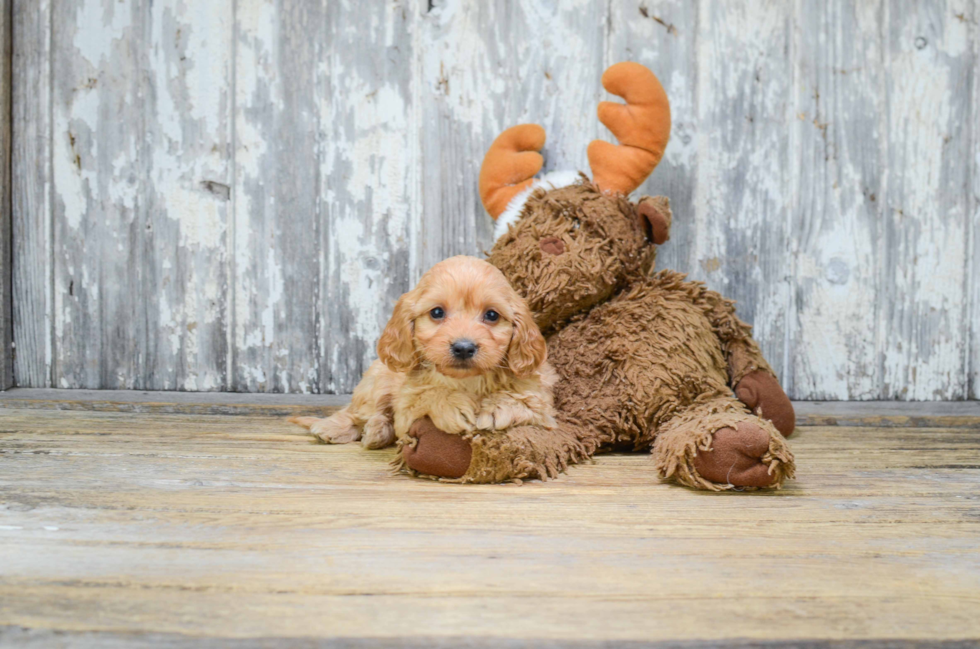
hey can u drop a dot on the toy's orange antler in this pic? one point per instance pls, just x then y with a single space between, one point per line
510 165
642 127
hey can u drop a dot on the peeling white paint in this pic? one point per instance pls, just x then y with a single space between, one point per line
742 174
833 347
255 234
202 225
75 175
97 22
921 341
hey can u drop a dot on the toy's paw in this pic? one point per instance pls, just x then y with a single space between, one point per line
736 457
761 392
436 452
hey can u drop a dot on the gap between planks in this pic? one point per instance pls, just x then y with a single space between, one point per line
903 414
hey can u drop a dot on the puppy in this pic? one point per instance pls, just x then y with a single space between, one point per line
461 348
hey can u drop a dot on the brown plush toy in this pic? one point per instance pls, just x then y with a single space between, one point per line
647 361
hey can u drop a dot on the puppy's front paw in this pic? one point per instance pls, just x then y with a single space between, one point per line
379 432
484 421
454 421
497 418
502 415
337 429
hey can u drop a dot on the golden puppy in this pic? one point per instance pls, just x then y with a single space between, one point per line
462 348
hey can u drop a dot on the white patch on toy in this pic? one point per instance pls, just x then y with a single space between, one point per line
552 180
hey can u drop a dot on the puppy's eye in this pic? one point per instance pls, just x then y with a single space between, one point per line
491 316
437 313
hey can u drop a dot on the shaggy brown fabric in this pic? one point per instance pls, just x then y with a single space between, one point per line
527 452
552 245
633 362
645 361
679 445
520 453
761 392
603 250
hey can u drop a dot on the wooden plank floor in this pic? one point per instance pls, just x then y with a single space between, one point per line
152 529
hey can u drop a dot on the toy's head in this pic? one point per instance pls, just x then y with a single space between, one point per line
566 243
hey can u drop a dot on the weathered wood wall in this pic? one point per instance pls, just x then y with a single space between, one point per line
6 243
231 195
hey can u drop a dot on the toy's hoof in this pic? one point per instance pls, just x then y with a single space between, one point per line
437 453
736 457
761 392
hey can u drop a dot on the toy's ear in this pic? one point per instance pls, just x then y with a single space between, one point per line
527 349
396 347
510 165
653 215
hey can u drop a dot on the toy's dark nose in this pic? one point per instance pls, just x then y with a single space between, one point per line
552 245
463 349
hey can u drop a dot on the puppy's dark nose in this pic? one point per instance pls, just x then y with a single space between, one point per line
463 350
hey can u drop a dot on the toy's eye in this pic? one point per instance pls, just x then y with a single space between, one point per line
491 316
437 313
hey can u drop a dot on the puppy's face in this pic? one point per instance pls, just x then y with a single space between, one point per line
463 319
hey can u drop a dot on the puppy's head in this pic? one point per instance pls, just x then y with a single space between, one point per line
464 319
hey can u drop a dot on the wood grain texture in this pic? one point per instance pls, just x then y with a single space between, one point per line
232 197
370 165
664 36
97 126
973 221
21 638
238 527
200 403
923 331
877 414
744 68
485 67
837 195
276 195
6 244
184 201
30 193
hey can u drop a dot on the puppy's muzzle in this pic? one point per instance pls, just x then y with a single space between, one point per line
463 350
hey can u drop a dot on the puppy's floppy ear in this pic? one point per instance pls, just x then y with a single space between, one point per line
527 349
396 347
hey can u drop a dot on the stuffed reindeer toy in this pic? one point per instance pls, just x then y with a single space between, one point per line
647 361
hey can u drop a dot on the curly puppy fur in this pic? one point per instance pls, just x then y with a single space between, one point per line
504 382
